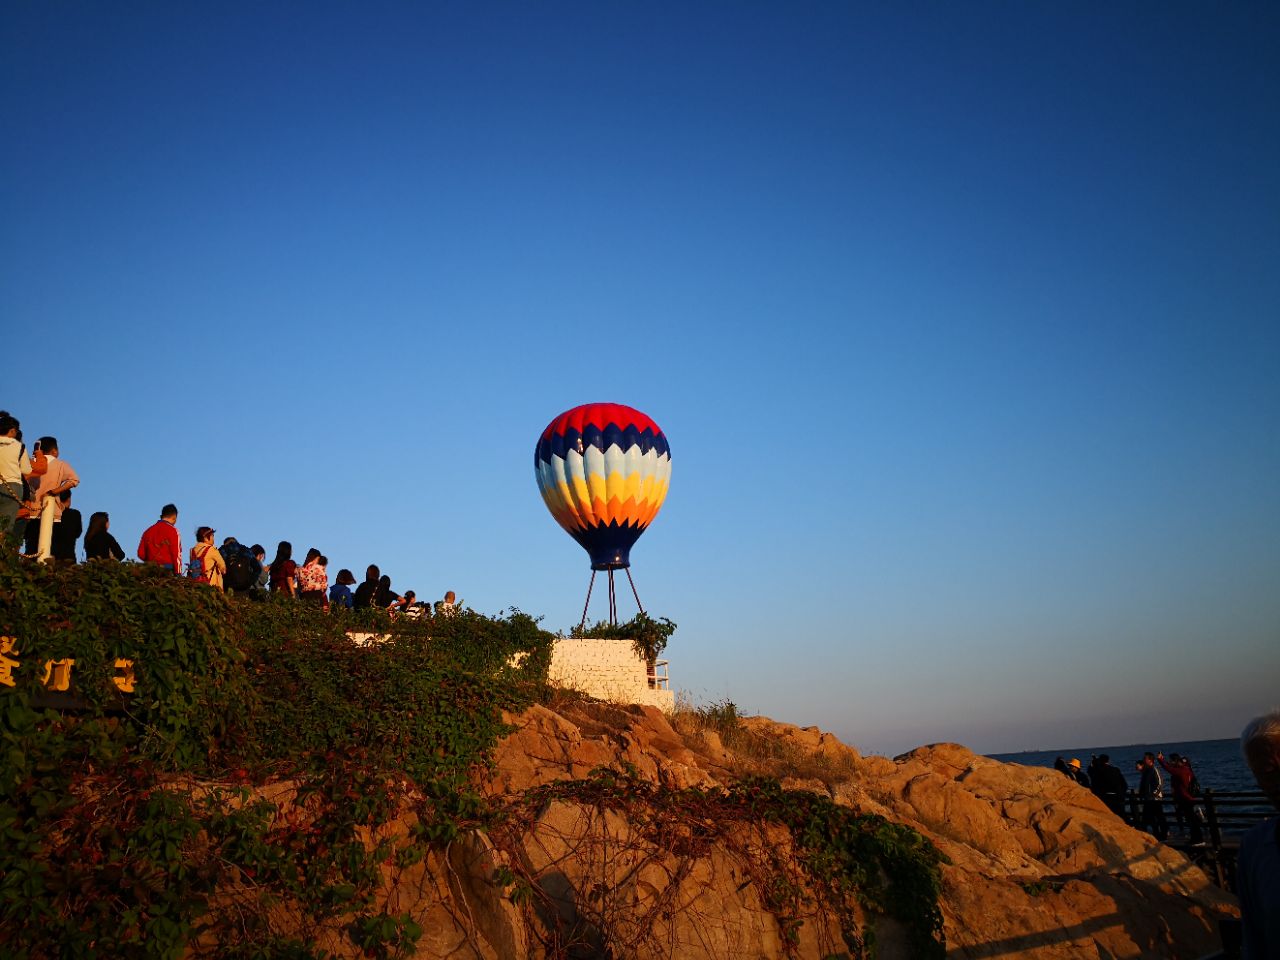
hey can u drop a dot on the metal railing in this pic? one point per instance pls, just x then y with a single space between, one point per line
1212 836
659 677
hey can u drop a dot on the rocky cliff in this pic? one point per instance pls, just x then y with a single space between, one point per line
1034 865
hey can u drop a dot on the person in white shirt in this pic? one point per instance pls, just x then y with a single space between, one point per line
15 464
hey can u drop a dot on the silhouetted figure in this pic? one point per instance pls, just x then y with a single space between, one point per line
99 544
385 596
1258 866
66 532
1109 784
365 592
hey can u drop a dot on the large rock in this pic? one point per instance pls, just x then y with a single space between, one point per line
1038 866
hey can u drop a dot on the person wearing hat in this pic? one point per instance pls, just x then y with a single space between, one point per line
1078 775
207 565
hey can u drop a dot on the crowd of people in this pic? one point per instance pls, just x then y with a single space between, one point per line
31 480
1109 785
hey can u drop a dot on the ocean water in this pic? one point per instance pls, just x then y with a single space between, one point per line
1217 763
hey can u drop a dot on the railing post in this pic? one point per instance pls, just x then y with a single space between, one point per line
1211 814
45 549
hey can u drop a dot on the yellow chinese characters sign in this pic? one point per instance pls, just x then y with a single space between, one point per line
57 673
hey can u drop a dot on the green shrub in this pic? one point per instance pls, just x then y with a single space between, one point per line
648 636
113 848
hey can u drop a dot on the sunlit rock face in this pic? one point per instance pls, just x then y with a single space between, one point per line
1038 867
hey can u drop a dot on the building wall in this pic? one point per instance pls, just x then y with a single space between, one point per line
607 669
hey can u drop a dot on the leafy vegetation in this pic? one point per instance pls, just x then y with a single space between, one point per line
130 826
649 636
754 754
266 782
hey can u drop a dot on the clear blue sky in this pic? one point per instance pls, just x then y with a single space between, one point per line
963 322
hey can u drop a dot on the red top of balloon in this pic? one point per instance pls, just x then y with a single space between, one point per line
600 415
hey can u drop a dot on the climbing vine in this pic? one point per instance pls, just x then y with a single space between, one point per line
850 863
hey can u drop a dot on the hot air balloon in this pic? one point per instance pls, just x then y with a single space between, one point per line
603 471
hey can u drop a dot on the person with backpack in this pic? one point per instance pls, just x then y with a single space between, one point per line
207 564
243 568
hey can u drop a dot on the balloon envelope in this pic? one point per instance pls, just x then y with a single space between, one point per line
603 471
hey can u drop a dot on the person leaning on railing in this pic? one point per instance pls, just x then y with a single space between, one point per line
1258 867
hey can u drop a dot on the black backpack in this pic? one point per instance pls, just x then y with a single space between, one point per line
242 570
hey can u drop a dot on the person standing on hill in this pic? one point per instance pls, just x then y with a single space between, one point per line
15 466
242 566
58 476
161 543
264 569
313 580
99 544
365 592
384 596
340 592
1184 796
1258 866
207 563
284 570
66 531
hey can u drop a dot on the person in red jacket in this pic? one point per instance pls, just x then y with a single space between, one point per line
1184 798
160 542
